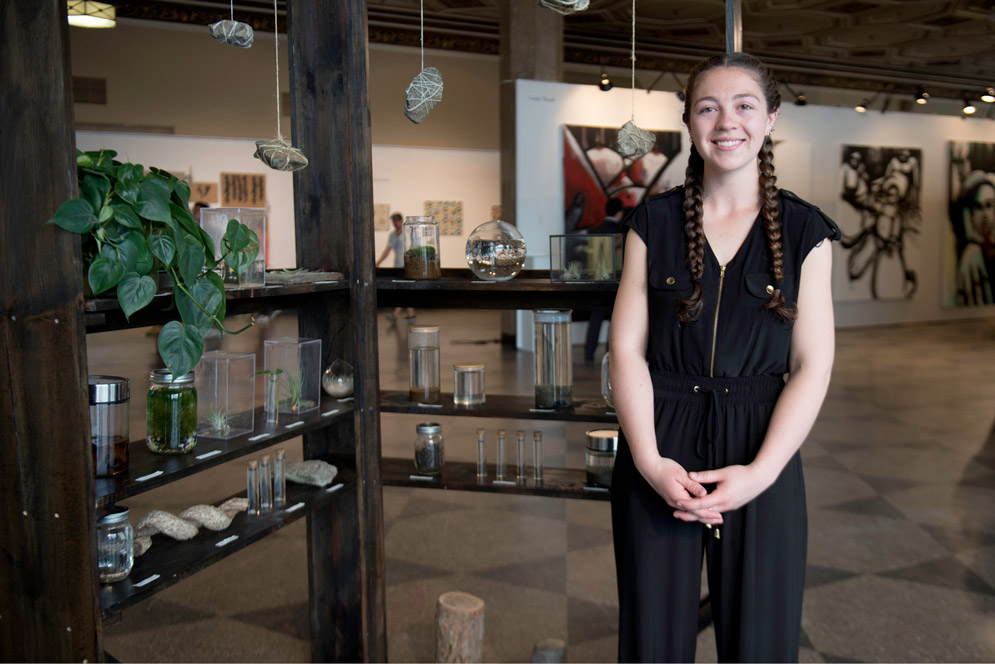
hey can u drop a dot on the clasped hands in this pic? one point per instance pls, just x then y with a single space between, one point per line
685 492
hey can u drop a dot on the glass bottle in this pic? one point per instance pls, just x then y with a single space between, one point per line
171 413
468 384
554 369
606 382
423 364
521 457
252 487
481 456
280 478
500 474
537 455
421 248
599 458
429 449
109 398
115 545
265 484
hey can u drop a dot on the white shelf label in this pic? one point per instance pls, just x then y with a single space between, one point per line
259 437
294 425
149 476
226 541
146 581
599 489
294 508
421 478
207 455
330 412
333 489
430 405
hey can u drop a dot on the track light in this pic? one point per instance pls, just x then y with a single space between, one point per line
922 96
680 87
605 83
800 99
862 106
989 95
969 108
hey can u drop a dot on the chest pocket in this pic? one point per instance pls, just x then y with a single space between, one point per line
761 285
668 285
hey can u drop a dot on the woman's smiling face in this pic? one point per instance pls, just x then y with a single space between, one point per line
729 119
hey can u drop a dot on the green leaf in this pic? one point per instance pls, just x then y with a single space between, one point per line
241 259
210 297
180 347
76 216
135 253
134 291
190 258
128 191
125 215
236 236
84 159
104 159
153 199
182 215
106 212
89 192
182 190
162 248
215 279
104 274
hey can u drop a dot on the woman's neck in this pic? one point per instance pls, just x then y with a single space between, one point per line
727 192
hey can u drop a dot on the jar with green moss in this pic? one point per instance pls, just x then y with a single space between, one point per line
171 413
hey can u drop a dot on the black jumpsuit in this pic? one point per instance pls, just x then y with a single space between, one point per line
715 382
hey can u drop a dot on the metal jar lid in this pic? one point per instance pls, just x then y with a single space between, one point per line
468 367
602 440
108 389
115 514
428 427
552 315
165 377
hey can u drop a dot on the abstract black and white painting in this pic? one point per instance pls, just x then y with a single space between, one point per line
970 263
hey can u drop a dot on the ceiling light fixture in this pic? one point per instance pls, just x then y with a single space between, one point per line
922 96
800 99
91 14
605 83
989 96
862 106
969 108
680 87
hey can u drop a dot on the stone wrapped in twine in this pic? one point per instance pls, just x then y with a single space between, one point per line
566 7
634 141
233 33
423 93
280 155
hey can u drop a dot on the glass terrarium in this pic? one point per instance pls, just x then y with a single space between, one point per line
225 393
421 248
215 222
596 257
296 363
495 251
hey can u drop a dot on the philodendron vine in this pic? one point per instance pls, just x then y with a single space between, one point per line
133 223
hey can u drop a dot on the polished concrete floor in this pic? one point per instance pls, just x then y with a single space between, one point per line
900 472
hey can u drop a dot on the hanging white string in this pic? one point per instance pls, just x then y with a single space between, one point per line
233 10
633 141
276 44
633 60
421 39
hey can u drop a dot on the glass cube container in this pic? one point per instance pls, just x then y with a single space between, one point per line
225 393
495 251
421 248
585 257
215 222
298 361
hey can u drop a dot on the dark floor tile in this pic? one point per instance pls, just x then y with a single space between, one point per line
550 508
545 574
402 571
836 659
816 576
587 621
983 482
166 613
805 642
825 461
947 573
889 484
290 620
959 539
421 506
836 447
586 537
868 507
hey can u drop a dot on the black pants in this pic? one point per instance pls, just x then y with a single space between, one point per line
756 566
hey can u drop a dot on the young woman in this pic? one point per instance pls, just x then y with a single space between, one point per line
725 289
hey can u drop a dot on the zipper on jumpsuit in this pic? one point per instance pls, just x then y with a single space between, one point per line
711 370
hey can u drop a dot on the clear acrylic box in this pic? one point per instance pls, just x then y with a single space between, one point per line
298 361
596 257
225 384
215 222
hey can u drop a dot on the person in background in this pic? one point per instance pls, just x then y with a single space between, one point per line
395 243
197 207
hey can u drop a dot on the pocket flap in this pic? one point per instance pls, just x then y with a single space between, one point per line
762 285
667 279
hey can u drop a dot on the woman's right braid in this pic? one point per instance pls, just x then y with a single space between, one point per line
690 306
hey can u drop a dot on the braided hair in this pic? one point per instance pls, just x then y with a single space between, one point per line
690 307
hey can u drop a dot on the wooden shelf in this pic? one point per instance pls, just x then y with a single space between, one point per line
147 470
462 476
104 314
169 560
508 406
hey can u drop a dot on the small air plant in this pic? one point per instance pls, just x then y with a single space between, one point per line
218 419
572 271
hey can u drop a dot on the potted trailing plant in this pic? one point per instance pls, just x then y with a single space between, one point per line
133 223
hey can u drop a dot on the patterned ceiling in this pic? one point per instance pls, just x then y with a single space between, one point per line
886 45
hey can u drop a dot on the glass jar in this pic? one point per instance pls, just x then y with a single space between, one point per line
423 364
429 449
115 545
421 248
606 382
495 251
468 384
171 413
554 368
599 458
109 399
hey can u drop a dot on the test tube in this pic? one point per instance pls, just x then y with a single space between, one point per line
481 458
265 484
537 450
280 478
521 456
500 474
252 487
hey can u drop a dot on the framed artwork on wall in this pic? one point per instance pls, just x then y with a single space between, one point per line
969 278
448 214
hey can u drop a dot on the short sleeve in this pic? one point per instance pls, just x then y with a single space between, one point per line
816 228
638 220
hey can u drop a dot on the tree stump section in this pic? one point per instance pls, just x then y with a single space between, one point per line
459 628
549 651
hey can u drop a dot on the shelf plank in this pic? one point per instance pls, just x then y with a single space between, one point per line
147 470
462 476
499 405
173 560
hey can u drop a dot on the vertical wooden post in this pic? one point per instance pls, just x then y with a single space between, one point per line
47 576
333 206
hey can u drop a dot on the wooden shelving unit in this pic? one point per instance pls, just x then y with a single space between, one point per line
499 405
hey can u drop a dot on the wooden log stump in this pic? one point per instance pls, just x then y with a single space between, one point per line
549 651
459 628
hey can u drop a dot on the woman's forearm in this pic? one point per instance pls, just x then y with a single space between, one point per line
632 392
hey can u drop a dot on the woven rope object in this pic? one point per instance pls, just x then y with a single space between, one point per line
280 155
566 7
423 93
634 141
233 33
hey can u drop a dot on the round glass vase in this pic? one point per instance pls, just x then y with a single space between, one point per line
421 248
171 413
495 251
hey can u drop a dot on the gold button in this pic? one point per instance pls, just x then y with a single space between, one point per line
671 281
770 289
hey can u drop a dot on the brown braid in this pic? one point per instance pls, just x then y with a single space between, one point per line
772 226
694 231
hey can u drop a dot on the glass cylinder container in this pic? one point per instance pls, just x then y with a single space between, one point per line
600 455
252 487
520 476
501 472
481 456
495 251
271 397
537 456
423 364
429 449
109 399
554 369
265 484
421 248
280 478
468 384
171 413
606 382
115 545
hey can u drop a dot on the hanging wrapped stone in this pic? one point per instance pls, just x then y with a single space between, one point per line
233 33
634 141
566 7
423 93
280 155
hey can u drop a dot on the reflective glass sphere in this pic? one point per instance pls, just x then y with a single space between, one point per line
495 251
